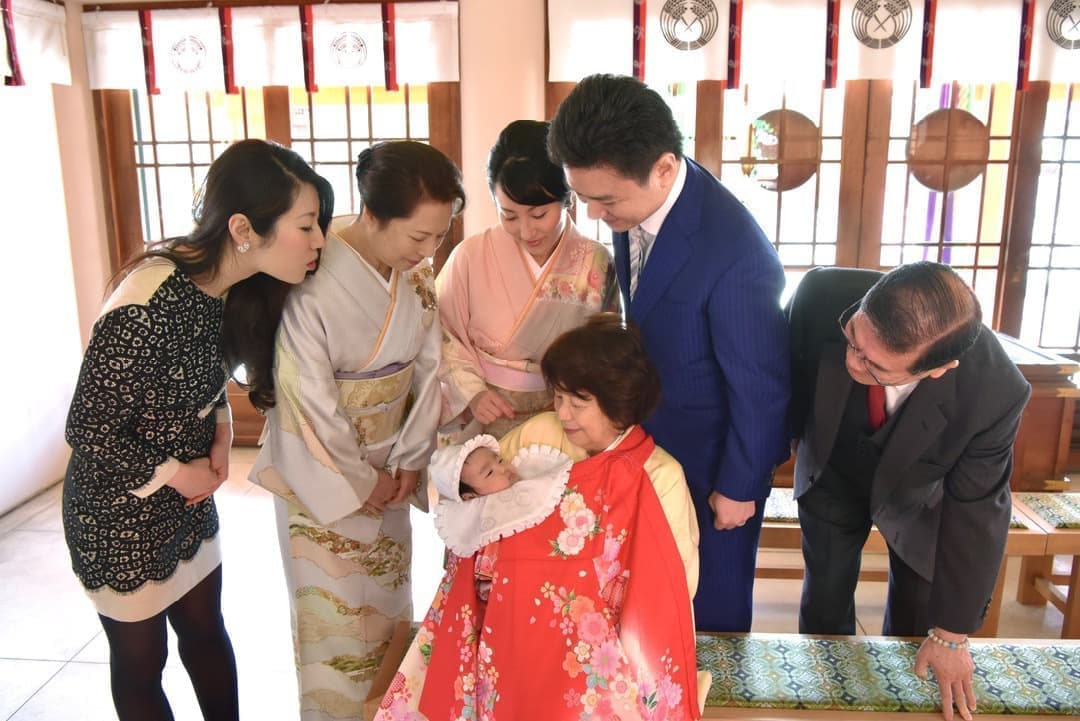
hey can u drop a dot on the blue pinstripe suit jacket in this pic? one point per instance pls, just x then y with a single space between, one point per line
708 306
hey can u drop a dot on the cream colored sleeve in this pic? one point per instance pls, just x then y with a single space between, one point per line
667 478
542 429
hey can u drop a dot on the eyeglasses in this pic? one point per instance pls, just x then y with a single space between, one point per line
844 320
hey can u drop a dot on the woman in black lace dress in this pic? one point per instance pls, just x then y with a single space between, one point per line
150 427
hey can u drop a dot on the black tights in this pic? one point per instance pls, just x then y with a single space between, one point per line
137 653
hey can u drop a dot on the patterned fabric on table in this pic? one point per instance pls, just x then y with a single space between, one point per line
876 675
1060 510
781 507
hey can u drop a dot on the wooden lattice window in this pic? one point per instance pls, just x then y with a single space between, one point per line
1051 314
176 137
331 127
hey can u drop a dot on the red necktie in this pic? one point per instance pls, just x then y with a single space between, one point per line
875 406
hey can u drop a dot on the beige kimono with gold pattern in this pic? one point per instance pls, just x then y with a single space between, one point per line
357 389
498 317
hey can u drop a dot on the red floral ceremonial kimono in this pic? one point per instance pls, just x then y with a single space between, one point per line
588 614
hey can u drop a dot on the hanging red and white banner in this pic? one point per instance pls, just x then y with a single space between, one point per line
5 52
114 49
266 47
1055 42
40 33
976 41
225 22
348 45
686 41
187 50
880 39
427 42
637 39
389 46
589 37
783 42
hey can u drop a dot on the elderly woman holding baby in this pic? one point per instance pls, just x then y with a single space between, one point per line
575 593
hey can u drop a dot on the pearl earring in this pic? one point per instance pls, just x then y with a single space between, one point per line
243 247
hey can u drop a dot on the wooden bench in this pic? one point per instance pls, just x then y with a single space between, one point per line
780 531
1058 516
787 676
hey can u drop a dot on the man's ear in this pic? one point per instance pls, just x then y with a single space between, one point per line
665 170
942 370
240 229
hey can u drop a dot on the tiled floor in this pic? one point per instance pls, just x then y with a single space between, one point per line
54 659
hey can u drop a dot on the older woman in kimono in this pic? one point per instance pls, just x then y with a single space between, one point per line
569 629
506 293
357 408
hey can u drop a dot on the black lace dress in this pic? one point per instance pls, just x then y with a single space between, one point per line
150 390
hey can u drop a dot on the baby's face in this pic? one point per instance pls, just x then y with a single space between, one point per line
486 472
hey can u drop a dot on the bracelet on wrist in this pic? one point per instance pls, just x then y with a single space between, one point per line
951 645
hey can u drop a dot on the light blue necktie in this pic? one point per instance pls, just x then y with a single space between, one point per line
637 242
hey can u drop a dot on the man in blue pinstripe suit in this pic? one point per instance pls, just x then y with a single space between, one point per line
703 283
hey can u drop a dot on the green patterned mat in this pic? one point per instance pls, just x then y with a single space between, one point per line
876 675
1060 510
780 507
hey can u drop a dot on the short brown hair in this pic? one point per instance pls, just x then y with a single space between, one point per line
605 358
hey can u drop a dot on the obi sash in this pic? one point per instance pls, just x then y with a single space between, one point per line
524 388
375 402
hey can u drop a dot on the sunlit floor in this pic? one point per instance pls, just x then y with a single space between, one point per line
54 658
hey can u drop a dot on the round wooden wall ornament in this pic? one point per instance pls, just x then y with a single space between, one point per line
948 149
784 150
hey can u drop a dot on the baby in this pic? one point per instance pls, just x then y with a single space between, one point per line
484 498
483 470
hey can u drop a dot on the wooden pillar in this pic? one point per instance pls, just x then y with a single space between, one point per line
116 145
444 123
1021 190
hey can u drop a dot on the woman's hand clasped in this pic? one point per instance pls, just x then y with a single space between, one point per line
385 492
196 480
487 406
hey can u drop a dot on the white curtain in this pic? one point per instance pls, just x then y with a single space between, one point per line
41 42
880 39
590 36
427 42
1055 42
267 47
348 45
783 42
187 50
976 41
114 49
685 41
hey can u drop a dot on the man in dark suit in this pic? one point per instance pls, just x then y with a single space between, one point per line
906 409
703 284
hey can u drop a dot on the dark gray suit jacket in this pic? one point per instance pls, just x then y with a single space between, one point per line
940 495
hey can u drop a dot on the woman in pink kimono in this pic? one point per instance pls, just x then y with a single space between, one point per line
507 293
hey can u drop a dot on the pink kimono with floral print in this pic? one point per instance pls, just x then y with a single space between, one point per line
588 614
498 318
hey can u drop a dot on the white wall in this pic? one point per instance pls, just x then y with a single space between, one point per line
38 314
502 79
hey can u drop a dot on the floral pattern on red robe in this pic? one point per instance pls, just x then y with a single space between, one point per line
587 617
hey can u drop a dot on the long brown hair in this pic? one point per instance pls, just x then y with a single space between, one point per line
259 180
